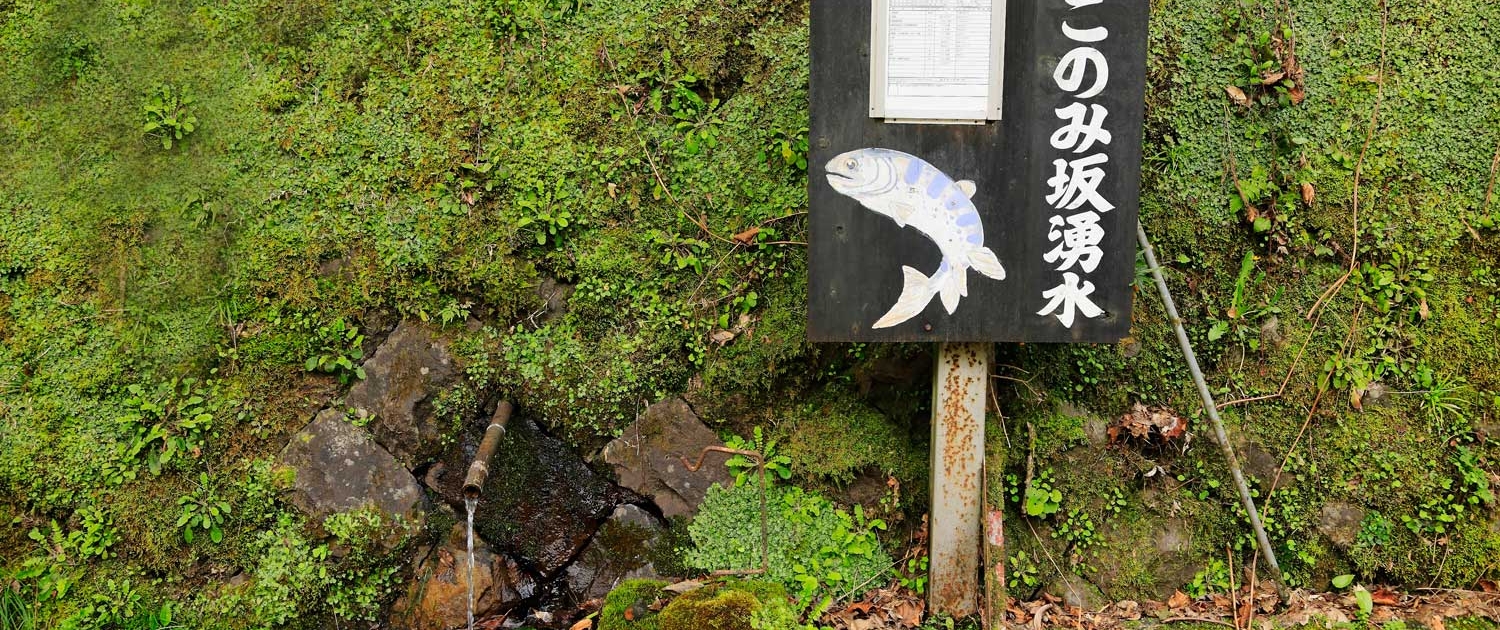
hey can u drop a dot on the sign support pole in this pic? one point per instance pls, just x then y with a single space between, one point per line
954 530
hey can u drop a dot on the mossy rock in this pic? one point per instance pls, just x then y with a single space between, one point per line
734 606
626 607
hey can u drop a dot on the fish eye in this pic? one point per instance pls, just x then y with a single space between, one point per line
852 163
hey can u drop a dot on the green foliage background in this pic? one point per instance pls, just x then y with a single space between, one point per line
436 159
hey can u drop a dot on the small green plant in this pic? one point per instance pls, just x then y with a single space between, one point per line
789 149
1374 531
1078 530
1366 604
121 605
778 466
679 252
367 572
93 540
1042 500
542 205
98 533
204 511
914 576
1213 578
1475 480
338 350
290 574
165 423
167 116
821 553
1021 571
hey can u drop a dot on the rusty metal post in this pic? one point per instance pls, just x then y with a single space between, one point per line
958 395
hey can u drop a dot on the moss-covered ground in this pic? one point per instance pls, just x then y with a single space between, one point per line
352 163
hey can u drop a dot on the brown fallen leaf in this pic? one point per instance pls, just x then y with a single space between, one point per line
587 623
1308 194
1385 597
909 612
1237 95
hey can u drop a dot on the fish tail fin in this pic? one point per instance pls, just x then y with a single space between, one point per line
916 291
985 262
950 285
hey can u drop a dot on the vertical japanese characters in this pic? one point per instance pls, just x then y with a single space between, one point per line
1075 203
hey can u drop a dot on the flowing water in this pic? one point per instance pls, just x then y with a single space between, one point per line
471 504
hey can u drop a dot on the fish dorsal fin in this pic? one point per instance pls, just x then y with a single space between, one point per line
968 187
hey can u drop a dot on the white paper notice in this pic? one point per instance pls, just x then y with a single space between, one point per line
938 59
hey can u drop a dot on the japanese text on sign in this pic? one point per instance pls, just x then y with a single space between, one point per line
1078 171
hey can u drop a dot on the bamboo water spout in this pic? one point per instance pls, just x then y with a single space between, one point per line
479 470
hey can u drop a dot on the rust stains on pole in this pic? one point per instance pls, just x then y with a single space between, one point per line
479 470
958 396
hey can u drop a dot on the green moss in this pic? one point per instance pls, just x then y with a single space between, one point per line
632 598
740 605
835 436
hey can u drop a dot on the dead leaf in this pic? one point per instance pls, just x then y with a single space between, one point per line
1178 599
747 237
1385 597
1308 194
1237 95
909 612
587 623
683 586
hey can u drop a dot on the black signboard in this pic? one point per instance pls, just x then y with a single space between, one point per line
1021 229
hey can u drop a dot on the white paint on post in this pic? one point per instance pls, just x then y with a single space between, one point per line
958 395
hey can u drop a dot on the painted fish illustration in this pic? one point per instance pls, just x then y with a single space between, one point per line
914 193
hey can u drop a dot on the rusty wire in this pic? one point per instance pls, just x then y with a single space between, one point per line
765 541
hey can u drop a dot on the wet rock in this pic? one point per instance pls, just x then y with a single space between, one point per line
439 596
1340 522
648 458
1256 461
339 468
896 371
1375 395
554 295
1149 559
1271 336
406 371
541 503
620 551
1078 592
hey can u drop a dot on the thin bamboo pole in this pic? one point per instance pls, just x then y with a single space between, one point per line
1213 411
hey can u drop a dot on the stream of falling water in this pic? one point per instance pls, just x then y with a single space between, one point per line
470 504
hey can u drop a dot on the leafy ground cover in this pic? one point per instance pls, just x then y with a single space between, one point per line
211 209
